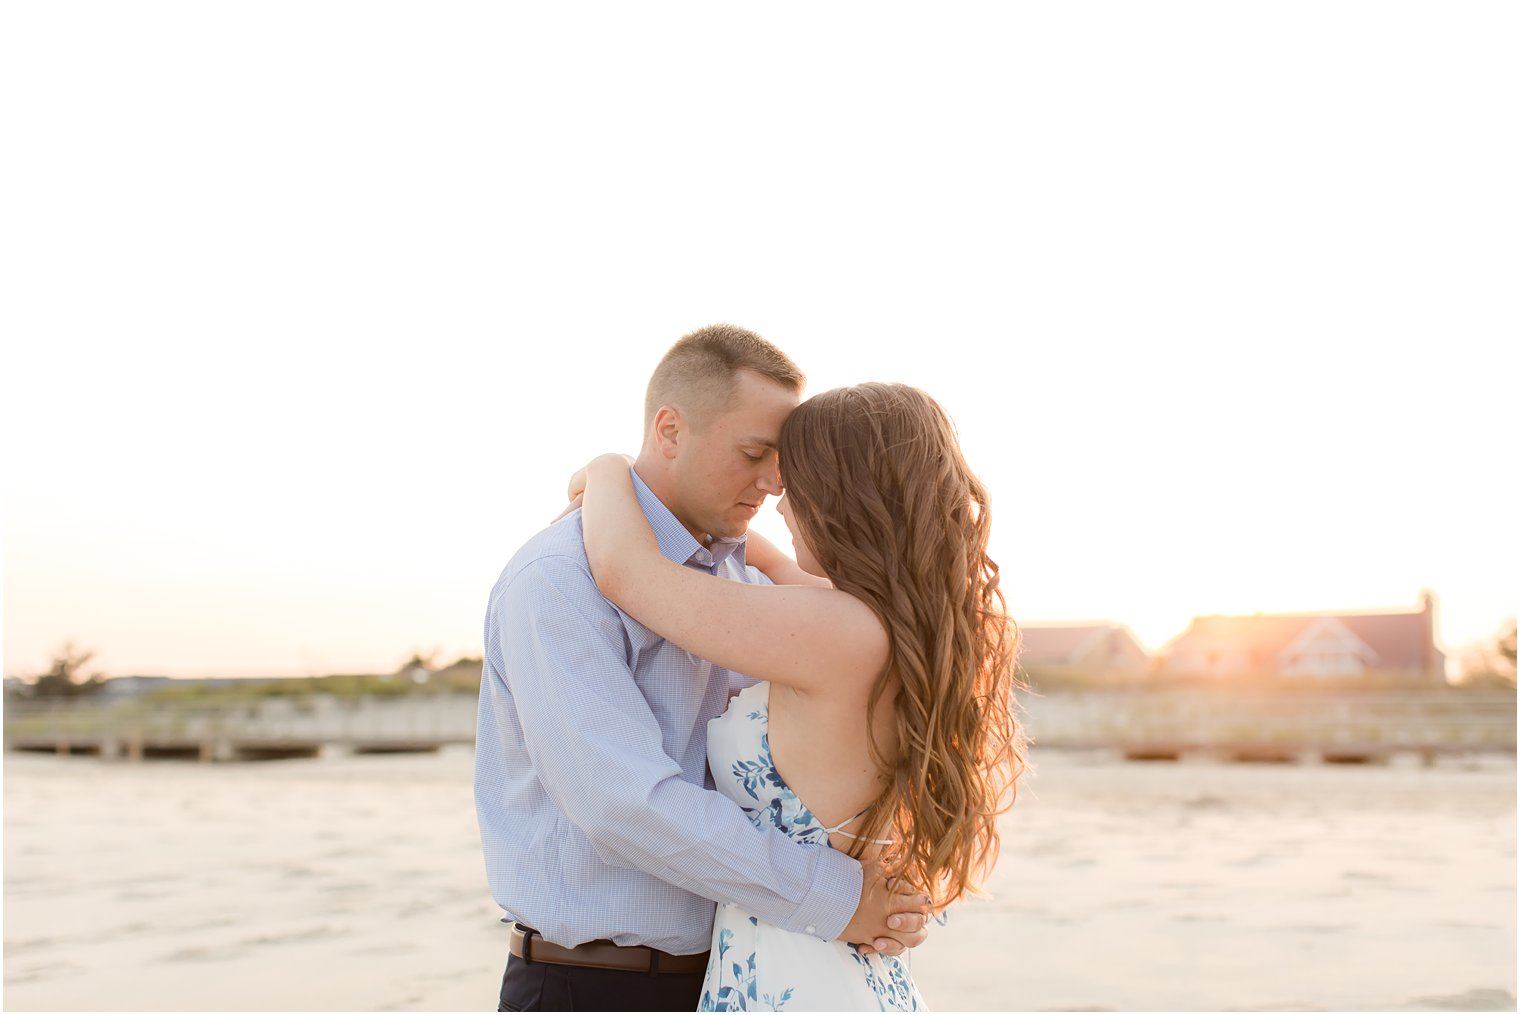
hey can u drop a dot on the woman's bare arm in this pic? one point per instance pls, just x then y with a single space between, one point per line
805 637
770 559
776 565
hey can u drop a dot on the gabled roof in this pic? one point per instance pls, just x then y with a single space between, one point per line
1401 639
1053 644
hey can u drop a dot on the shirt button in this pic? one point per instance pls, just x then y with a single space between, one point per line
811 930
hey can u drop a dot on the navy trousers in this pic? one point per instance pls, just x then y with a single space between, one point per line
542 986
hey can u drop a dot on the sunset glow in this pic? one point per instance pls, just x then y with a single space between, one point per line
291 387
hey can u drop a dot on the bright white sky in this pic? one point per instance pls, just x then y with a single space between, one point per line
313 307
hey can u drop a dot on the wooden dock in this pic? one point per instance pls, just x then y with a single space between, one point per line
268 730
1330 727
1159 724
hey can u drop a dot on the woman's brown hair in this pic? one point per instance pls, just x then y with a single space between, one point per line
895 517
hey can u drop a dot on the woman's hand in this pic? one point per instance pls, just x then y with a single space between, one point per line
578 481
575 502
576 491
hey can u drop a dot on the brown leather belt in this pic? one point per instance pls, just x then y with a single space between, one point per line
530 946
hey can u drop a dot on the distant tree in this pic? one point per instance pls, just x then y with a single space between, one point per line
66 678
460 676
1507 648
1491 663
419 661
418 669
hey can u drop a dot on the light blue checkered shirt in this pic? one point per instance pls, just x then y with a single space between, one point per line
591 780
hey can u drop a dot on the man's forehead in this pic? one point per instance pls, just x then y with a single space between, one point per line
756 408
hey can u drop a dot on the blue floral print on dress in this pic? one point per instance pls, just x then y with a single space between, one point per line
756 966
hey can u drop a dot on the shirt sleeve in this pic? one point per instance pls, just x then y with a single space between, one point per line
597 750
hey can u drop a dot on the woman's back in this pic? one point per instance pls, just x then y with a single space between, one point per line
757 965
820 743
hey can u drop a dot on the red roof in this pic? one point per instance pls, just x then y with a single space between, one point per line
1054 644
1401 639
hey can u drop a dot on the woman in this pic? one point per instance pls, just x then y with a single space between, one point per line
886 669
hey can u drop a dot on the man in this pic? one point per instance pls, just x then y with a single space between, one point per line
603 844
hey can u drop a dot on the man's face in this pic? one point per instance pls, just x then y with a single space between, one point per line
723 474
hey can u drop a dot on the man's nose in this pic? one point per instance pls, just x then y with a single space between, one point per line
770 482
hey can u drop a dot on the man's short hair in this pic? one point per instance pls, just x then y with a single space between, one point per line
700 371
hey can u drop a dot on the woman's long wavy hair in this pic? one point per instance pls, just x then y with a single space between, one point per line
895 517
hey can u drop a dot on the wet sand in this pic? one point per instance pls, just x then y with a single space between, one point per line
355 883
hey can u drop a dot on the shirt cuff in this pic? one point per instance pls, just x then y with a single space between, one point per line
831 902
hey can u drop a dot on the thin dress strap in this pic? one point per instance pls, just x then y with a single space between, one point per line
840 829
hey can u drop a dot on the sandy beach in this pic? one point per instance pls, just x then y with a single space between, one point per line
355 883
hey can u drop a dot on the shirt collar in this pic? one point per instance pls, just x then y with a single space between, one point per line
724 547
676 543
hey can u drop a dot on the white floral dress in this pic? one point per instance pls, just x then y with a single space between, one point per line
756 966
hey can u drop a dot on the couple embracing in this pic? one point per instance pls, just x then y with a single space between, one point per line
853 705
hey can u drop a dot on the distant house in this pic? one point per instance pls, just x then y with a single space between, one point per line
1385 643
1097 649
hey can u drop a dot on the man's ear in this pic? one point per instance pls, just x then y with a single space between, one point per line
669 427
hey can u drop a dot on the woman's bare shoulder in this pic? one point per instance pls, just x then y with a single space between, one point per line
849 636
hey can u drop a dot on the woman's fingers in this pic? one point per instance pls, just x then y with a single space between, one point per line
575 502
577 484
